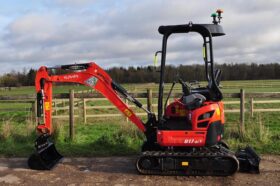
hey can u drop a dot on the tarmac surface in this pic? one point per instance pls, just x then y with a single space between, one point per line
120 171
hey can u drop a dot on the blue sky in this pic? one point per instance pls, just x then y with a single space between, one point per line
124 33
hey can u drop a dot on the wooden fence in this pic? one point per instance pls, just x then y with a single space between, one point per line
74 100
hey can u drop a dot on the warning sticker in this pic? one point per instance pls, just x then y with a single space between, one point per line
47 105
127 113
91 81
185 163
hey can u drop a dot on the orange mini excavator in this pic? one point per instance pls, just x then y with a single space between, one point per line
185 138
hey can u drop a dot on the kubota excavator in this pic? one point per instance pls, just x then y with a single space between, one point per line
186 136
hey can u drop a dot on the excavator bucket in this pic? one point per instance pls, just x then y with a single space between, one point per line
46 155
248 160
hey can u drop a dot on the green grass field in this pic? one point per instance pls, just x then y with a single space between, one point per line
116 136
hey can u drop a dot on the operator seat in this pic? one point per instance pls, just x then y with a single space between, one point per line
193 101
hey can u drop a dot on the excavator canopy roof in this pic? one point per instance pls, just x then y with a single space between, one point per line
203 29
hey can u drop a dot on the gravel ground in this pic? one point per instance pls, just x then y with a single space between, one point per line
120 171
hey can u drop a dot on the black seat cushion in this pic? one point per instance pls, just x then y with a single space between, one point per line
193 101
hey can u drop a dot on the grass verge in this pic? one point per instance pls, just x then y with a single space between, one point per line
118 138
257 134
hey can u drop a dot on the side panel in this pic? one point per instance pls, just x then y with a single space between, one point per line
203 116
181 138
207 125
191 138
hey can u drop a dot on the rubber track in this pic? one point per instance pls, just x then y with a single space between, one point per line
216 155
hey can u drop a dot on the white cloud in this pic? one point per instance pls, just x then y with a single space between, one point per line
72 3
125 32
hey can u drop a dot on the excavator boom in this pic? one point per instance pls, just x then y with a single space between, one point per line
91 75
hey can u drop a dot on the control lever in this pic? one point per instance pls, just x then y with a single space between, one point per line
217 74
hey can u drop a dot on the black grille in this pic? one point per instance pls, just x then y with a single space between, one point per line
206 115
202 124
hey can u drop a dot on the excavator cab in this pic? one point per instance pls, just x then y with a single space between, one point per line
197 118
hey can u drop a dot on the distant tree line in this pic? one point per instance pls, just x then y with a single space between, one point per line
150 74
16 79
196 72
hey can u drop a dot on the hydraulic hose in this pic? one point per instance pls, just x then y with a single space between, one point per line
124 93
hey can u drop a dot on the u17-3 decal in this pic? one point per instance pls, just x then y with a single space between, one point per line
192 141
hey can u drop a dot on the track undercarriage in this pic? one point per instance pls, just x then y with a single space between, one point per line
214 161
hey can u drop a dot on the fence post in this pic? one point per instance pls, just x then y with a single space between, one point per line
71 114
84 110
242 111
149 99
252 107
55 106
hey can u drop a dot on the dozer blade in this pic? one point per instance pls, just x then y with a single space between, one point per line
46 155
248 160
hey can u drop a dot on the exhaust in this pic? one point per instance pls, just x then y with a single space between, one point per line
46 156
248 160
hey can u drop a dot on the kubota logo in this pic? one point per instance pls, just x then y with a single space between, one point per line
71 76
